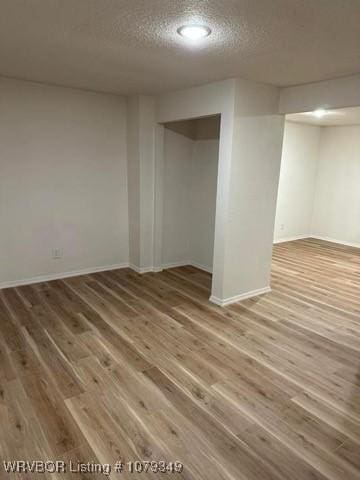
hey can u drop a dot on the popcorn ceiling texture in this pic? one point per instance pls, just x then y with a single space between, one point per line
131 46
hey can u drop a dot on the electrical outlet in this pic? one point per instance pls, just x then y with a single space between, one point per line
282 227
56 253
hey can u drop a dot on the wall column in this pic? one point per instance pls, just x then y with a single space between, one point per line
141 130
247 192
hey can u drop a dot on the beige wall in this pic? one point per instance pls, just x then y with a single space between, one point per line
133 170
63 180
337 195
176 198
205 128
336 93
203 183
190 179
250 193
299 163
141 180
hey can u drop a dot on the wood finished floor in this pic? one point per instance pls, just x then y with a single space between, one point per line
116 364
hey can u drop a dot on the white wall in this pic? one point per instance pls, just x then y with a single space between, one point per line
336 93
176 198
141 180
297 180
62 180
190 179
204 171
252 192
133 171
337 198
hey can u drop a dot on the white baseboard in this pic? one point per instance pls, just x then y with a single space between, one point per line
334 240
291 239
201 267
141 269
158 269
86 271
239 298
317 237
186 264
58 276
175 264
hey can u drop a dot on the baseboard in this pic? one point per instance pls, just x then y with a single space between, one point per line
158 269
58 276
317 237
186 264
239 298
87 271
141 269
175 264
292 239
334 240
201 267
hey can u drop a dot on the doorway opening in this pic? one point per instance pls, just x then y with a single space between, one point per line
319 195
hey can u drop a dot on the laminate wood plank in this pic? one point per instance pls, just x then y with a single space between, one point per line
330 415
117 365
103 433
65 309
53 362
16 306
10 331
81 455
60 335
349 451
22 436
177 433
62 434
7 370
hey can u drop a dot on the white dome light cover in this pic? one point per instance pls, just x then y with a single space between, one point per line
320 112
194 32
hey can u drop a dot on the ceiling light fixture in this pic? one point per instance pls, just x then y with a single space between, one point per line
320 112
194 32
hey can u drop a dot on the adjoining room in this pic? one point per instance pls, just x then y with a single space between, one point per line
317 233
319 194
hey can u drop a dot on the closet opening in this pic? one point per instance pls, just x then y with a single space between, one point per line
190 174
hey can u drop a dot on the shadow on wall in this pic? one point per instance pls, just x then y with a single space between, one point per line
204 128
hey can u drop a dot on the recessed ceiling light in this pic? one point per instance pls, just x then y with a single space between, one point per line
320 112
194 32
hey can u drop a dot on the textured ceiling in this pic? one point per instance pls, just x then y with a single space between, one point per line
340 116
131 46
